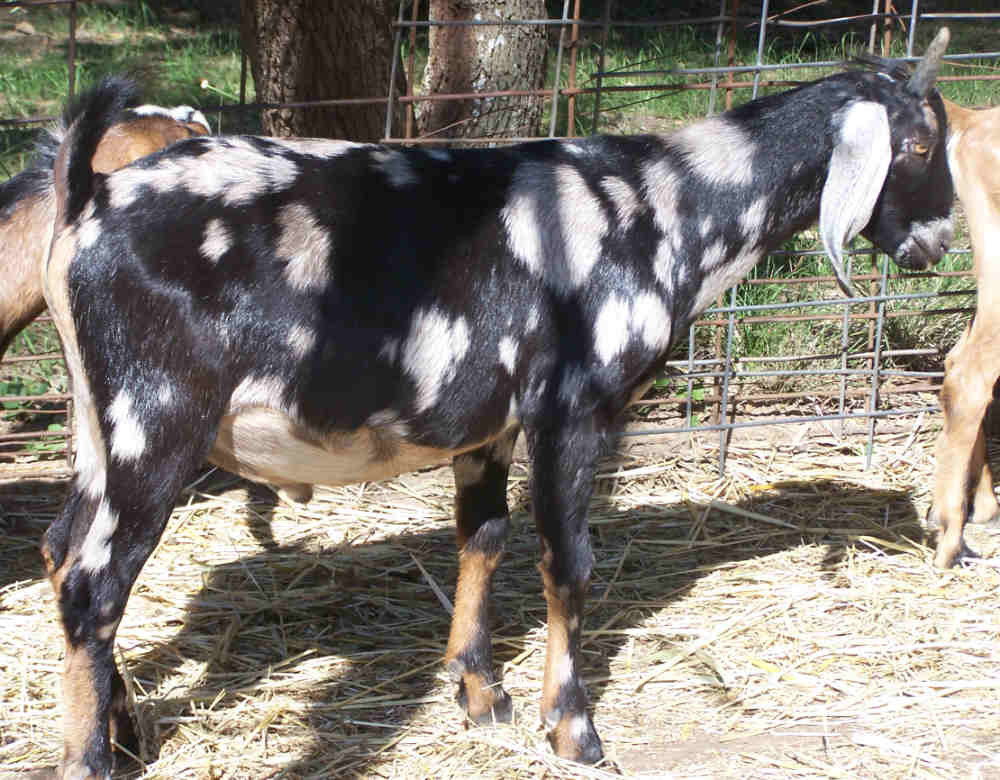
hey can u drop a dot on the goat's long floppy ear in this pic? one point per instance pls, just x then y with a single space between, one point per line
857 172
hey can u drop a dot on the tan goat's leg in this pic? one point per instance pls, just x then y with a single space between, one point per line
961 454
985 508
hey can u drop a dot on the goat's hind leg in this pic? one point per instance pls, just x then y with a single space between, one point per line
962 480
93 552
481 517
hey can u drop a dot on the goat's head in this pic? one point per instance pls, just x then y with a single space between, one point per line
889 178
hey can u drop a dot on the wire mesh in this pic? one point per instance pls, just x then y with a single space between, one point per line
862 360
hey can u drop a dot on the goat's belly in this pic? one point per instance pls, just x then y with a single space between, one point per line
266 446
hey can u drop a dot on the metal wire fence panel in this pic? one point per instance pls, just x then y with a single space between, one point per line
783 347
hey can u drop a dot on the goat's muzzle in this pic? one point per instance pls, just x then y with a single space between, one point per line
925 245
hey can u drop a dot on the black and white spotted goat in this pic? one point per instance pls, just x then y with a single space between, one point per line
311 311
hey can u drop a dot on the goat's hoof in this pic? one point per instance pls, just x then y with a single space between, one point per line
992 522
491 705
125 740
78 770
575 738
966 554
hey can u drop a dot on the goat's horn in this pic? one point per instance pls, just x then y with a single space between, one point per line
923 77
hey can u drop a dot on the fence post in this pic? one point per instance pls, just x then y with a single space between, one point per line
390 103
728 363
606 24
555 79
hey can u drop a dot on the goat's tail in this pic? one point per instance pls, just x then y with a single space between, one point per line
87 119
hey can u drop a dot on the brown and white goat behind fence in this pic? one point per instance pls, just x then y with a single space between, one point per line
313 311
963 483
28 200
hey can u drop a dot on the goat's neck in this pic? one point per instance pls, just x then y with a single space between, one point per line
728 196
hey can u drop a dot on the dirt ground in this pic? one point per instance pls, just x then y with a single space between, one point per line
782 621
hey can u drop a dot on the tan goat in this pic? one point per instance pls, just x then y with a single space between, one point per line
27 203
973 365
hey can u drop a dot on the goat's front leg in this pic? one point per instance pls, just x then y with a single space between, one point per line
984 507
564 467
962 472
481 518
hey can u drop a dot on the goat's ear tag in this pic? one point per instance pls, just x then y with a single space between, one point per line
858 167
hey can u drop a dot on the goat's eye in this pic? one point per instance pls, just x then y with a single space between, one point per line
920 149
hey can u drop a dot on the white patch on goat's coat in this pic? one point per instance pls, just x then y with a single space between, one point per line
217 240
305 245
663 263
714 254
233 170
620 320
663 186
706 225
128 440
611 329
441 155
396 168
95 552
651 320
508 354
261 391
722 278
432 351
625 198
752 220
125 184
718 151
165 395
301 339
238 173
89 230
523 231
583 223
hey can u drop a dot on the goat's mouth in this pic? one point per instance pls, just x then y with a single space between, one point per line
925 245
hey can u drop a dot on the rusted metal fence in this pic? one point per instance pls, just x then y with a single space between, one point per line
850 373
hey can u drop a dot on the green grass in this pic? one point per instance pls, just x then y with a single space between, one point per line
171 55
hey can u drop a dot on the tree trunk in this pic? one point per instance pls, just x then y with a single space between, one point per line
484 59
319 50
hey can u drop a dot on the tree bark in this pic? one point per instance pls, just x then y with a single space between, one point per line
318 50
484 59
